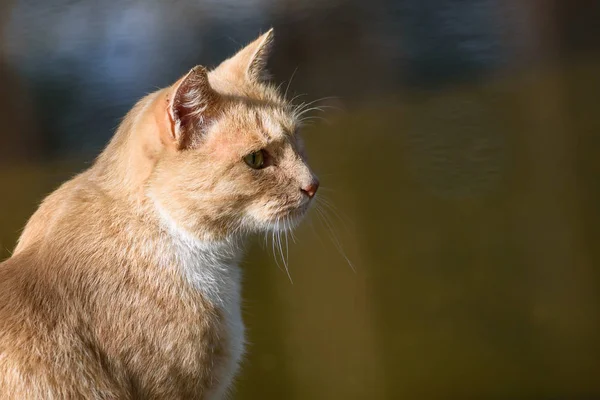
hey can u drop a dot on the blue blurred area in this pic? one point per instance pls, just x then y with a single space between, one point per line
84 63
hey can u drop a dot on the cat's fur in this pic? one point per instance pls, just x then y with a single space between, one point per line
125 283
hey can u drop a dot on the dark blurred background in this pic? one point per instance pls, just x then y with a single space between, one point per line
460 161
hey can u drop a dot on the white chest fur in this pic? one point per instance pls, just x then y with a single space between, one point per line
212 268
215 272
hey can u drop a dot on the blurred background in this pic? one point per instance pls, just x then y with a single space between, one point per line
459 167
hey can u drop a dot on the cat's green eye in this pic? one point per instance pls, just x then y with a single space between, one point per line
256 159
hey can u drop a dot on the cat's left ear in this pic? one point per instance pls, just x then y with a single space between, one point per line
250 62
191 105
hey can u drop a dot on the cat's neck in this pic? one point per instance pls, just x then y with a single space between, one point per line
129 159
211 266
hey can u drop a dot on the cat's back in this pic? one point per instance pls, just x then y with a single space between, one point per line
28 311
64 206
18 299
45 347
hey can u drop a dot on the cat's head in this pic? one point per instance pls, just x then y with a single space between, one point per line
234 160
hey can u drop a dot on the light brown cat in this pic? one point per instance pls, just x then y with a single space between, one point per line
125 283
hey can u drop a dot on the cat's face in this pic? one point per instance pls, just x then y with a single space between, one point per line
240 164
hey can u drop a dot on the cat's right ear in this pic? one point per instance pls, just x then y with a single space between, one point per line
191 106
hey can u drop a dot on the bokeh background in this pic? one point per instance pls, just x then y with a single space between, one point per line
459 162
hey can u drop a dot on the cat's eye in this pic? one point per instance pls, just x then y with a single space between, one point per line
256 159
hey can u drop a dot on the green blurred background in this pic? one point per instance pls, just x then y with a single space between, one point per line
459 159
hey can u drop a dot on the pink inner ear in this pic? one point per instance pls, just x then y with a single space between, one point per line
191 106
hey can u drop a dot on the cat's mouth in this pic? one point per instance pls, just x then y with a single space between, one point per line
292 216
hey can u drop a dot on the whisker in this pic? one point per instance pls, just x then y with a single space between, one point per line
333 236
278 88
320 99
282 257
343 217
301 116
315 231
306 110
290 82
312 118
273 245
292 232
298 108
297 96
321 107
285 232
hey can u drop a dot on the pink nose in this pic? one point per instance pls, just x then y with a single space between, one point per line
311 189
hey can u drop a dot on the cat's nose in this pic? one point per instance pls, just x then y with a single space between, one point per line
311 189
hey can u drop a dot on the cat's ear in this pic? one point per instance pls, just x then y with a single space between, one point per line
250 62
260 50
191 105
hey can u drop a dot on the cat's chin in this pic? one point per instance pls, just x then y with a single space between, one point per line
288 220
263 219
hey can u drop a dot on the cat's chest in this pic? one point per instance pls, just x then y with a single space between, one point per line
211 270
215 274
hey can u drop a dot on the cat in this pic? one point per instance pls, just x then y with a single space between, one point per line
125 283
